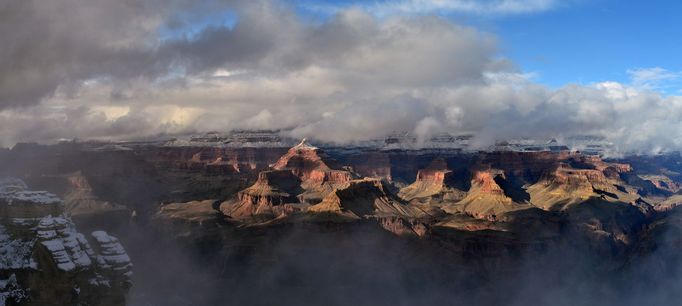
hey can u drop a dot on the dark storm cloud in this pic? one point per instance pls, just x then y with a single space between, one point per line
46 44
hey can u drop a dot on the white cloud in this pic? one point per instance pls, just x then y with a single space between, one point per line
352 77
656 78
481 7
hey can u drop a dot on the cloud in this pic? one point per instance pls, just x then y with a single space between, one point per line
656 78
351 77
486 7
46 45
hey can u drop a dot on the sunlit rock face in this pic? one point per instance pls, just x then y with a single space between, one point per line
304 175
80 200
365 197
435 183
267 197
44 260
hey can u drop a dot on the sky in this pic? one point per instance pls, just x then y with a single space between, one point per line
567 41
342 71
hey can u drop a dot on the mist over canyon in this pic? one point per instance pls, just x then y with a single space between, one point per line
240 225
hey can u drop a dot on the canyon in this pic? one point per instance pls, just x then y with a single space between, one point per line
290 223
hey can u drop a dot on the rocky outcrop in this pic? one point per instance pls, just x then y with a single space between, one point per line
484 181
403 227
319 173
365 197
302 176
579 179
435 183
303 158
487 199
43 254
81 200
112 260
267 197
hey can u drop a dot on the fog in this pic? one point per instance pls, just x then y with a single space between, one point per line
364 265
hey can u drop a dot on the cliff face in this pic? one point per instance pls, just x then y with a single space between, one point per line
81 200
216 161
435 183
46 258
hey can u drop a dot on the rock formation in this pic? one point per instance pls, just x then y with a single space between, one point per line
365 197
319 173
45 257
486 199
267 197
81 200
302 176
576 181
435 182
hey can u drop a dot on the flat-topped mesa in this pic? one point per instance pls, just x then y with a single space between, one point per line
570 177
434 181
266 197
436 172
436 176
584 172
580 178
